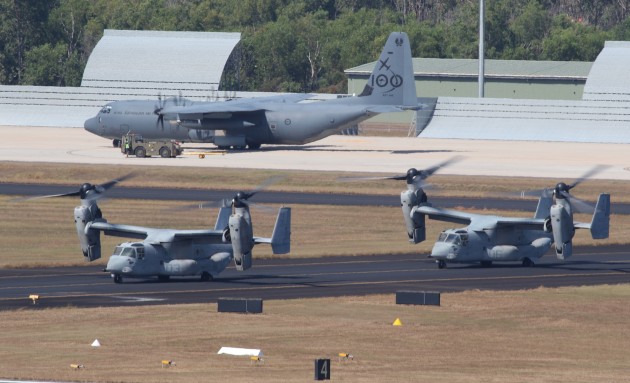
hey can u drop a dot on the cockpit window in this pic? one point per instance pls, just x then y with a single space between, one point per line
106 109
128 252
451 238
118 250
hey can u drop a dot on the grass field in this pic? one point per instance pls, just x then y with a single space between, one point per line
543 335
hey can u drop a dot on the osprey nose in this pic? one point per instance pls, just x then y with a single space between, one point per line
442 250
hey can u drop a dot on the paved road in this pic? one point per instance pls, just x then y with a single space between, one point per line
286 278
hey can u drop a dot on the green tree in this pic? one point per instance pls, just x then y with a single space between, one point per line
573 41
22 26
529 30
461 36
43 65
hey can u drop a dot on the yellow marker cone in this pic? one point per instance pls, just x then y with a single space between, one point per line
397 322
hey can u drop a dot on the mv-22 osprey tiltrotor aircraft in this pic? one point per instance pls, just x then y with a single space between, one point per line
168 252
490 238
281 119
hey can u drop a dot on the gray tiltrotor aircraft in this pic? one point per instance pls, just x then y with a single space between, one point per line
168 252
489 238
267 120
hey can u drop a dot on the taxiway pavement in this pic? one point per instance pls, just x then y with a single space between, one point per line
286 278
337 153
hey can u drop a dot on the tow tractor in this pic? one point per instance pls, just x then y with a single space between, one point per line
134 144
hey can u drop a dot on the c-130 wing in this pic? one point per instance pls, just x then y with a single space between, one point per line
226 108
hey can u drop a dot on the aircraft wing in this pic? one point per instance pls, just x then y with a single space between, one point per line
127 231
521 223
226 108
480 221
151 234
446 215
190 234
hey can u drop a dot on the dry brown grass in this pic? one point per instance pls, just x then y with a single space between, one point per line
42 233
542 335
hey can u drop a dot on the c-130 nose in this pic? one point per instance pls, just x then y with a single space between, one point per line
91 125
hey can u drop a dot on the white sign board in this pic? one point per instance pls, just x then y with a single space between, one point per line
240 351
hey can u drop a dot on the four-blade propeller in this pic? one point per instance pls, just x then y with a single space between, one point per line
413 176
240 199
561 190
88 191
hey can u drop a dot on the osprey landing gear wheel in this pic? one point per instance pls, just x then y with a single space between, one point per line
206 276
117 278
441 264
528 262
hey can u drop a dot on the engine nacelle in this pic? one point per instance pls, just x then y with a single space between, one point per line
416 229
242 238
563 230
90 239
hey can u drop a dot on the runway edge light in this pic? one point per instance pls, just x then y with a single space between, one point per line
397 322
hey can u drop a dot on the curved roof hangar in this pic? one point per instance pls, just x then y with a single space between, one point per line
159 60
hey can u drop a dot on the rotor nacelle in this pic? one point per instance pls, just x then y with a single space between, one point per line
415 223
242 237
561 218
90 239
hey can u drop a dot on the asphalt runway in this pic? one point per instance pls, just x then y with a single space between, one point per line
286 278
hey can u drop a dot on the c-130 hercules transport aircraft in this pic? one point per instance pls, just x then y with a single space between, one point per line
280 119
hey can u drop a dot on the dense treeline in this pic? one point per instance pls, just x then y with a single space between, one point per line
304 45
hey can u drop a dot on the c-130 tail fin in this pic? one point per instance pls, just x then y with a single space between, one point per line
392 81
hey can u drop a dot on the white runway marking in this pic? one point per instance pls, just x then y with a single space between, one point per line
138 299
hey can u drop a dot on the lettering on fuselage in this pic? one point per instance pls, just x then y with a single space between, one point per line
127 112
